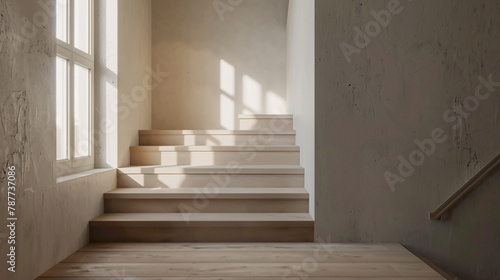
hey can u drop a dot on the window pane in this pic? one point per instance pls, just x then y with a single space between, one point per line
81 114
62 20
82 24
62 107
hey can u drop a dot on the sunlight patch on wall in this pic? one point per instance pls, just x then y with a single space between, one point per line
226 112
227 77
110 125
252 95
227 103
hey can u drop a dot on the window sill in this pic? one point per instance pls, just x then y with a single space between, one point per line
83 174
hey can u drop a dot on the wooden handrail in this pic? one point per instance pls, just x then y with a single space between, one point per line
473 182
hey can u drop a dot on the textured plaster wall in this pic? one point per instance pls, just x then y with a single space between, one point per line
394 91
190 38
52 218
300 84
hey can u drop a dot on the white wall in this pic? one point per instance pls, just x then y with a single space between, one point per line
300 84
221 62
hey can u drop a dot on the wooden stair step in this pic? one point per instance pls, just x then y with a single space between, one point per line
213 176
265 116
190 193
216 137
210 169
230 148
199 200
268 122
203 218
213 155
243 247
211 132
202 227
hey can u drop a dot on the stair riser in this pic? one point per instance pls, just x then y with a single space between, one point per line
216 139
192 233
212 181
250 157
202 204
264 124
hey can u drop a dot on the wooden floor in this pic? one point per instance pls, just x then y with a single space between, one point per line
241 261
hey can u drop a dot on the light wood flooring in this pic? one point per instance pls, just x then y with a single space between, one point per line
225 261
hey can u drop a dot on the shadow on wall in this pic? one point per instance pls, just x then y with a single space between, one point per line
223 60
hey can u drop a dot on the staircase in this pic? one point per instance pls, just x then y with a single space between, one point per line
210 186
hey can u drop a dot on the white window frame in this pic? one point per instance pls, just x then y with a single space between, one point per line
74 56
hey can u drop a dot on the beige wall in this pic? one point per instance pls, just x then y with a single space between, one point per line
52 218
124 77
393 92
191 39
106 83
300 84
135 80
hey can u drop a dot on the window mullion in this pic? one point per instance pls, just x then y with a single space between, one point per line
74 57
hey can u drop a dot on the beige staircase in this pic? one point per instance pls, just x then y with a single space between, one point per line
210 186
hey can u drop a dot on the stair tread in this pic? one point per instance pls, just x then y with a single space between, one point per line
222 193
265 116
210 169
242 148
204 217
226 132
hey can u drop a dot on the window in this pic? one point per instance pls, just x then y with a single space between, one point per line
74 85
